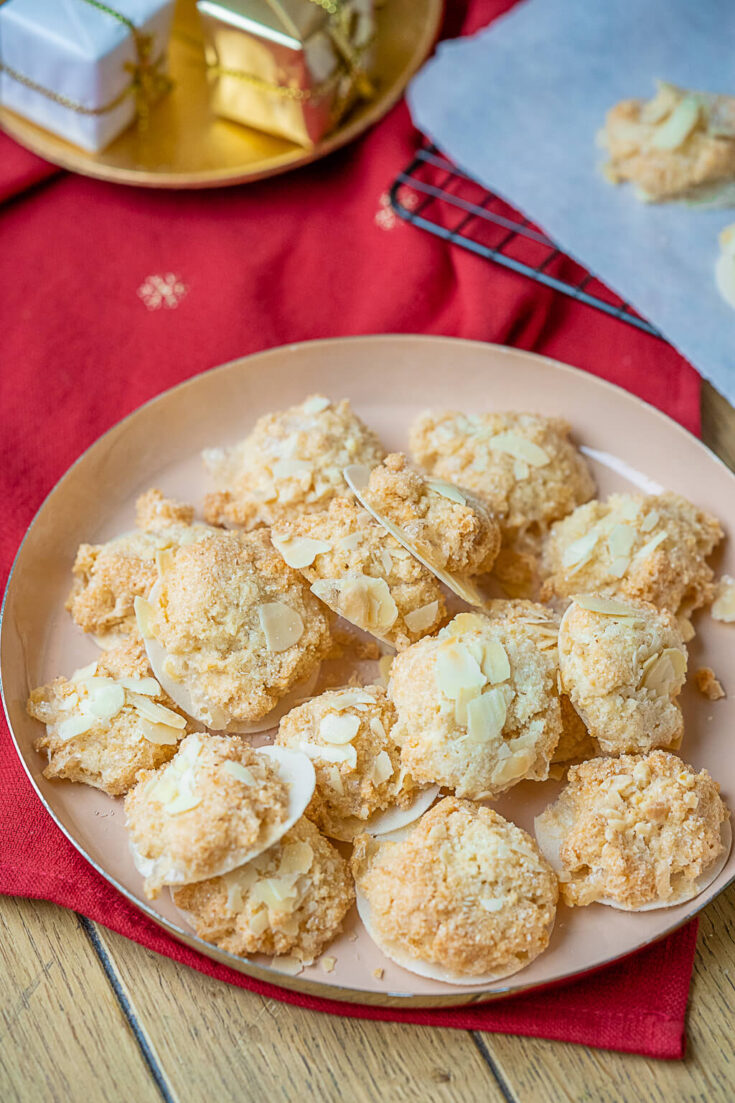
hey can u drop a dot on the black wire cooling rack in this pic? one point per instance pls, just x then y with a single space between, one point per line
433 194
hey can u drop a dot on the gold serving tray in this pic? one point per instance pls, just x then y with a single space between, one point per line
186 146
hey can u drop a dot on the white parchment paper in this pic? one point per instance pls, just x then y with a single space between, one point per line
518 106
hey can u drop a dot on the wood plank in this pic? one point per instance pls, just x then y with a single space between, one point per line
550 1072
215 1041
718 424
63 1035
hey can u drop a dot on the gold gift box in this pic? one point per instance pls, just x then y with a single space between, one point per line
288 67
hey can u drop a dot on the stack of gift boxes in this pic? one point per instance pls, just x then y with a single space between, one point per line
86 70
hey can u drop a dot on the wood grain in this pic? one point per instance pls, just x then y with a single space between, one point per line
552 1072
215 1041
63 1035
718 424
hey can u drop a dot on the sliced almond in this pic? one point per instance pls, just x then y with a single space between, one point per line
650 547
578 553
447 490
457 670
73 726
337 728
385 662
678 126
606 605
183 802
521 470
723 607
164 560
418 620
105 701
513 768
665 673
662 104
520 448
239 772
349 543
619 566
378 728
382 768
157 714
162 734
143 617
315 404
621 540
629 509
149 687
282 625
296 858
461 701
650 521
465 622
334 754
486 716
299 551
495 663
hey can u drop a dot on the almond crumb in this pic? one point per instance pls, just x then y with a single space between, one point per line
328 964
378 973
708 684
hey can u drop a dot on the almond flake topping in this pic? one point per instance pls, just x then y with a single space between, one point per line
418 620
382 768
651 546
377 727
283 626
447 490
580 551
650 521
665 673
346 753
678 126
723 607
297 858
605 605
385 662
495 663
456 669
157 714
74 725
521 470
161 734
337 728
105 698
143 616
465 622
315 404
486 716
621 540
619 566
238 771
328 963
299 551
149 687
520 448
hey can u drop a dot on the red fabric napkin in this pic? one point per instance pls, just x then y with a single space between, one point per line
109 295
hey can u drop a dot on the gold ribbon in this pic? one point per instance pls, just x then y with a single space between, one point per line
340 31
147 81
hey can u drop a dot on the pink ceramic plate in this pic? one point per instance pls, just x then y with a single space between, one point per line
388 379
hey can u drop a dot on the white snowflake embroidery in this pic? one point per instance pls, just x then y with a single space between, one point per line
158 291
385 216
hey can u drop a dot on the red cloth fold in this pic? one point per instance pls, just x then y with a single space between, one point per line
109 295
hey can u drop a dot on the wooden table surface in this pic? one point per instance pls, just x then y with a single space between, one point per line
86 1015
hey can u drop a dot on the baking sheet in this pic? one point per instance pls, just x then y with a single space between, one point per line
518 106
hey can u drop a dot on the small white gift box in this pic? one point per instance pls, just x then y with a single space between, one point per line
82 68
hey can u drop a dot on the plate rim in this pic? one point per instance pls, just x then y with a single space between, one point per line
73 159
268 975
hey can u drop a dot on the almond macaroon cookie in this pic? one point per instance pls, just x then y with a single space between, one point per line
290 463
447 525
523 466
635 832
678 145
362 573
289 900
478 706
216 805
360 782
107 722
230 629
108 577
623 665
635 546
462 896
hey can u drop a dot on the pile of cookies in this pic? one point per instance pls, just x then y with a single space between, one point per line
513 628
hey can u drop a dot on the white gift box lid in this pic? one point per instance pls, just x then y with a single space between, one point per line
79 52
